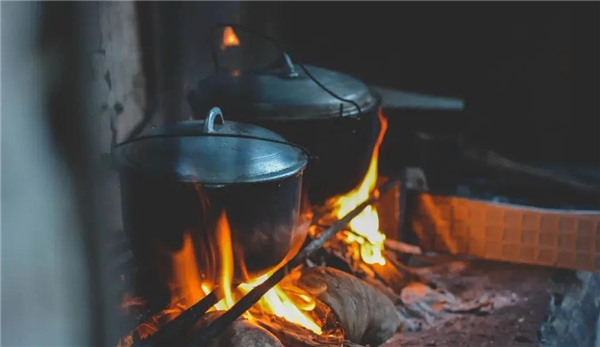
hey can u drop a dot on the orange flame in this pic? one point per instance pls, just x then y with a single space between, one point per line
230 39
275 301
364 227
226 254
187 286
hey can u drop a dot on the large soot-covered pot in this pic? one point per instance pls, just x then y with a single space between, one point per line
177 181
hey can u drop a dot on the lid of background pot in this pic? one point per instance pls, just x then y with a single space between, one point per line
283 94
210 153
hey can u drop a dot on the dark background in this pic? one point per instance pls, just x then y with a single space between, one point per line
529 72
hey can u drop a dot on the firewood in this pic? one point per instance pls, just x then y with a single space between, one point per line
390 275
402 247
292 335
241 333
367 316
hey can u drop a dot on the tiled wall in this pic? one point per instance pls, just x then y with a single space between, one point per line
558 238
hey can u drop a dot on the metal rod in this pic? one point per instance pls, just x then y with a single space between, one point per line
220 324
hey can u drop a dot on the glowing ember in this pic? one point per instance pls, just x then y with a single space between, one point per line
364 227
230 39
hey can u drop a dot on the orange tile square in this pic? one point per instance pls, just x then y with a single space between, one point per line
531 220
585 227
512 218
494 216
529 237
583 261
493 250
566 242
527 254
511 235
565 259
462 244
461 213
549 223
493 233
510 252
460 229
585 243
547 239
546 256
566 224
477 247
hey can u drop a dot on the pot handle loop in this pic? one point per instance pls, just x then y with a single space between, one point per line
209 122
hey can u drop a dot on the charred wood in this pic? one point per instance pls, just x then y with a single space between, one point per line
368 317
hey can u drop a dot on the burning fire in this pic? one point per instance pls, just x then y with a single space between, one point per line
230 39
275 301
188 287
364 228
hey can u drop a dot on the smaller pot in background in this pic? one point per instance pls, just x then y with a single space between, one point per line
340 131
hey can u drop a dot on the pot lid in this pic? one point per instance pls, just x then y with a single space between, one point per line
209 153
282 94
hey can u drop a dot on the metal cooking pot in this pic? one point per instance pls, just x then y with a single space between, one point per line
178 180
340 129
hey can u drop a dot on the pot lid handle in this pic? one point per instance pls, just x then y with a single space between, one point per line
289 66
209 122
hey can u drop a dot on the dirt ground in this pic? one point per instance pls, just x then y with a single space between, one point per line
520 295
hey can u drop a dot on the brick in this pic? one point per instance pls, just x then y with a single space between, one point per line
477 215
549 223
547 239
511 235
461 213
510 252
512 219
566 242
585 227
460 229
529 237
566 224
546 256
527 254
531 220
462 244
583 261
493 250
477 248
494 216
585 243
493 233
565 259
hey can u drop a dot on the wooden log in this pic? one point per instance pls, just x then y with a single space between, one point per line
241 333
292 335
367 316
402 247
